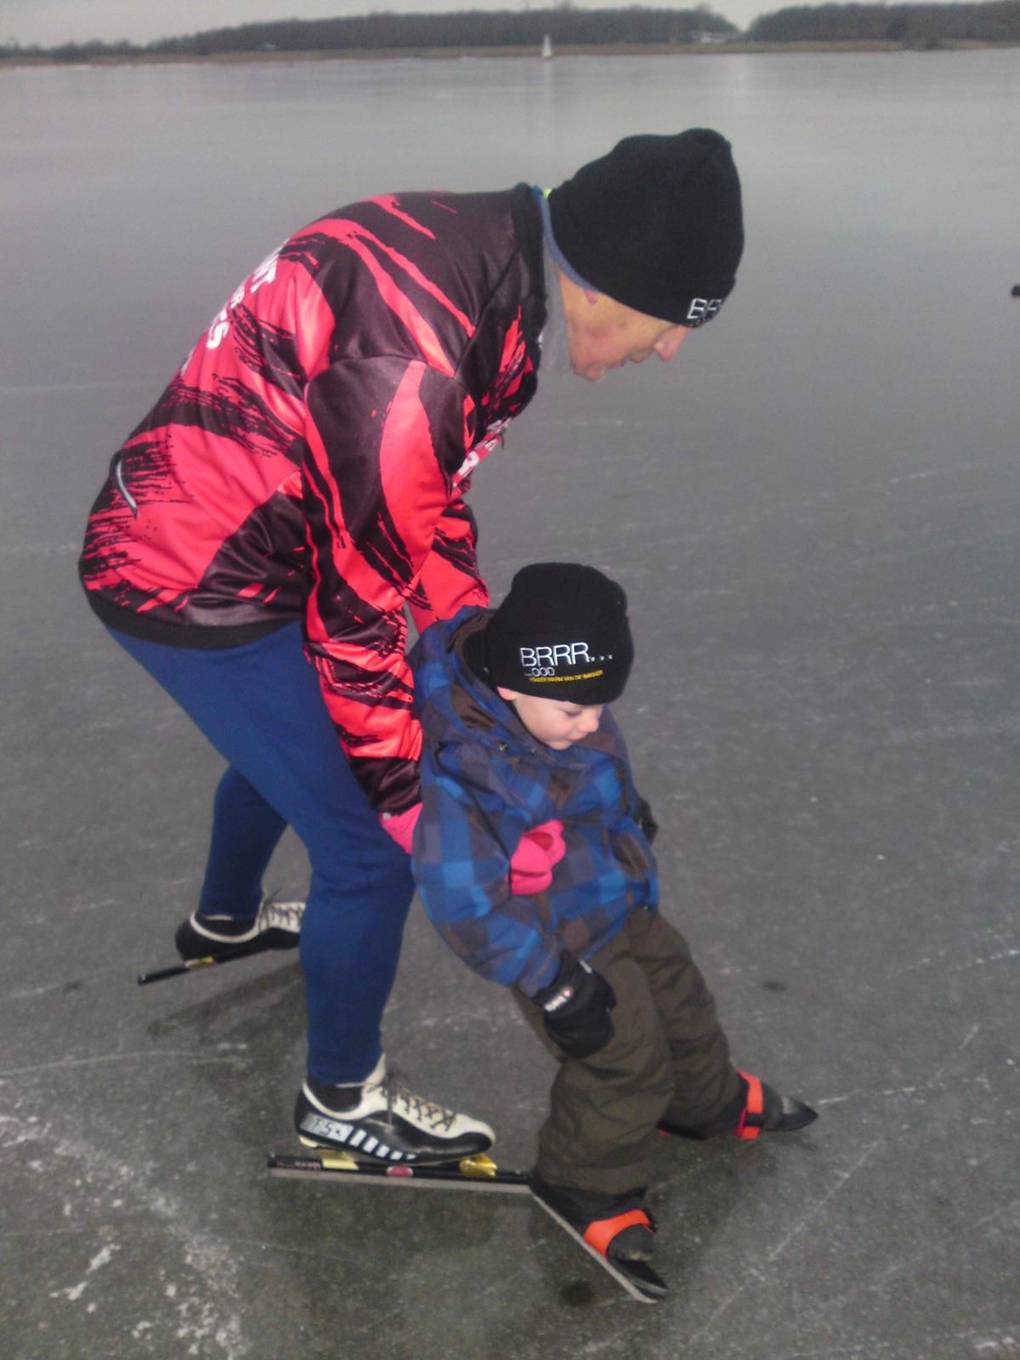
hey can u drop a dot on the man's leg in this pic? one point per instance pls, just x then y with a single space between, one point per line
260 707
245 832
234 915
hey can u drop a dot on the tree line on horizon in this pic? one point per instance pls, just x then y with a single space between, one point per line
929 25
910 24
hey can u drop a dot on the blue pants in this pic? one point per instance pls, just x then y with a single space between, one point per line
261 707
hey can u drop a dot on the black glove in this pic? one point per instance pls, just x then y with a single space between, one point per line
577 1007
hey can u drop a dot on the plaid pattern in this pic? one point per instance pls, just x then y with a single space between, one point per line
486 781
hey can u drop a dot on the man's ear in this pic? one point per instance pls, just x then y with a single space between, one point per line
591 296
508 694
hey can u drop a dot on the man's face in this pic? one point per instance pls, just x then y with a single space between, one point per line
604 334
555 722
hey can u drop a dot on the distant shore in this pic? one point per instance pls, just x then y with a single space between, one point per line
722 49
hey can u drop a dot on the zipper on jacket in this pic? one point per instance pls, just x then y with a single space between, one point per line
118 477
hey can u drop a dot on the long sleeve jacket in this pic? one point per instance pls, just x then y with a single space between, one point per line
310 458
486 781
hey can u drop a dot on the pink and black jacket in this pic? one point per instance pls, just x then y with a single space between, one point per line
311 456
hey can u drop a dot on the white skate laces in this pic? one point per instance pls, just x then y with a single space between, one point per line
416 1109
385 1093
279 916
271 915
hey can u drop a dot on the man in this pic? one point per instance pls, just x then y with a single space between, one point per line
302 480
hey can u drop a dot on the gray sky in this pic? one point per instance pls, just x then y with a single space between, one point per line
49 22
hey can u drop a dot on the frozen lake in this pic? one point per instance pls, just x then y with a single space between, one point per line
815 514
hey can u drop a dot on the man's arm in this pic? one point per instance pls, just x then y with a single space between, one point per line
383 436
450 578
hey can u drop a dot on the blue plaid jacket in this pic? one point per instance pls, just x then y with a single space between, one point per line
485 781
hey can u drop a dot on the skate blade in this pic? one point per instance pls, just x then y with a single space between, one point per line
796 1115
637 1277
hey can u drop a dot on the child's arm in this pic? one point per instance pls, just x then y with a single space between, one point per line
538 852
462 866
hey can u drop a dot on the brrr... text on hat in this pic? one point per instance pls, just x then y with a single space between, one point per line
561 653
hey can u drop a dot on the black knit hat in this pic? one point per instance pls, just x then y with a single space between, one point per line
561 633
656 224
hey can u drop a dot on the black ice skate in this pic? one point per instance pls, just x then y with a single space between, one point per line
276 925
617 1230
381 1121
757 1109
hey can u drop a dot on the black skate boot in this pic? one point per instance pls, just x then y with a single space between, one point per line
617 1230
756 1109
380 1120
276 925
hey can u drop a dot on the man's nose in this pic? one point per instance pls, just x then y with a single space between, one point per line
667 345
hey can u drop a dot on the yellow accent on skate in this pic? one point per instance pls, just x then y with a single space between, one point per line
478 1167
338 1161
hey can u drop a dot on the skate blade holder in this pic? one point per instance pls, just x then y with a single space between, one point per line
477 1172
480 1167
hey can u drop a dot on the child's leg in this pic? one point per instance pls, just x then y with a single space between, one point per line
710 1097
604 1109
704 1079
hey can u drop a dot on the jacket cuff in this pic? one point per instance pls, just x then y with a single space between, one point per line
390 785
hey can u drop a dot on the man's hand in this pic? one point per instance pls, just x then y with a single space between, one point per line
577 1007
531 864
400 825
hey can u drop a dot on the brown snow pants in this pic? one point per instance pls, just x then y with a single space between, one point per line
668 1057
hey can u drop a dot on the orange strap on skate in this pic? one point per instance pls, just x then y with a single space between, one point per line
600 1233
752 1117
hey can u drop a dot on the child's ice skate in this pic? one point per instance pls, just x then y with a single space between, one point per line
617 1230
758 1108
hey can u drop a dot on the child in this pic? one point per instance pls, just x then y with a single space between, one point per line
520 753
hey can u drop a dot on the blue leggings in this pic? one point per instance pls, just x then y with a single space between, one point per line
261 707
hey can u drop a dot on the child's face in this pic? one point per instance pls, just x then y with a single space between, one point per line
556 722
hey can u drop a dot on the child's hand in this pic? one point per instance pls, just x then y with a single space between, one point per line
531 864
577 1007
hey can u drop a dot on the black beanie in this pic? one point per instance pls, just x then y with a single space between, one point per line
656 224
561 633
